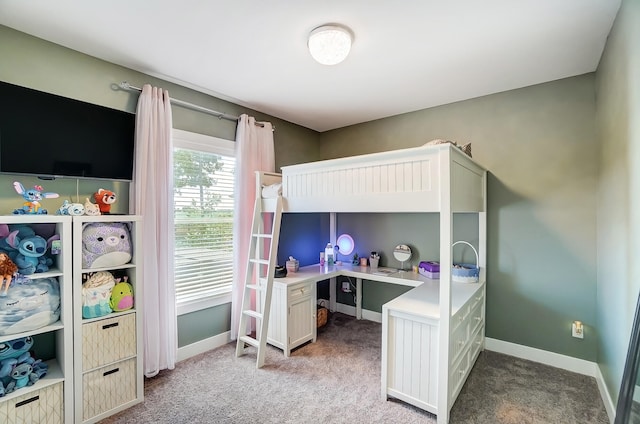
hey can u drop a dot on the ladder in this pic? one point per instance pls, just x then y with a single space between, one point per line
259 276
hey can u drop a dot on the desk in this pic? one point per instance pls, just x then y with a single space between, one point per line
410 326
427 303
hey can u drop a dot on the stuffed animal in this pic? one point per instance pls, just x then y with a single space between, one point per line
105 244
29 305
68 208
104 199
7 271
30 256
96 293
17 367
122 296
91 209
32 199
5 247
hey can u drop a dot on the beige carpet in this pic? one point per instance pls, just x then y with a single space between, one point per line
337 380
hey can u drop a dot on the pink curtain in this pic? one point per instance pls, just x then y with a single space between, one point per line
254 152
152 197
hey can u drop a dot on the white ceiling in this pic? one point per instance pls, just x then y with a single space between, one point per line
407 55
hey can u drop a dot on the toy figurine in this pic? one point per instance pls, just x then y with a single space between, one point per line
73 209
104 199
32 199
91 209
7 271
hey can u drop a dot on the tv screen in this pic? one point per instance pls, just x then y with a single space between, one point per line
52 136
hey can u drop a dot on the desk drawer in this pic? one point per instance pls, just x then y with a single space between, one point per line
459 339
300 290
476 317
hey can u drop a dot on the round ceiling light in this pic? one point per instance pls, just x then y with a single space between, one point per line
330 44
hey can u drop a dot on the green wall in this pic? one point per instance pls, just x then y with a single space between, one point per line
38 64
618 100
539 144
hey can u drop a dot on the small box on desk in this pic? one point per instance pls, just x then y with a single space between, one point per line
430 269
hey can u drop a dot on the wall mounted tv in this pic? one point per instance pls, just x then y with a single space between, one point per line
52 136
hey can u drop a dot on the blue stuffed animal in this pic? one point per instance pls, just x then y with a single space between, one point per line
30 253
68 208
32 199
17 367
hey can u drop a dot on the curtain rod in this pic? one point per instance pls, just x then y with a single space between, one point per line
221 115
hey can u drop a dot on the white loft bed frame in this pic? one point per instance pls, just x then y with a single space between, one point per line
428 179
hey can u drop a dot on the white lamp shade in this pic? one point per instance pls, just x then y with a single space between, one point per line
330 44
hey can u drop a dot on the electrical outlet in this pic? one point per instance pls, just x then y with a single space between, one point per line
346 288
577 330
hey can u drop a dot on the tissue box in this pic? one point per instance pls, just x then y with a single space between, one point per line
293 265
430 269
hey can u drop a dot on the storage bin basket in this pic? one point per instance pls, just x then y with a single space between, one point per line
464 272
322 315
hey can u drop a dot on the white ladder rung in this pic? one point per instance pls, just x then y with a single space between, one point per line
252 314
259 261
249 340
254 287
262 235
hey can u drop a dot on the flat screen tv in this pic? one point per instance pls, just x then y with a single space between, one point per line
51 136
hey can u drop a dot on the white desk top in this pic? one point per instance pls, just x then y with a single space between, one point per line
319 273
424 300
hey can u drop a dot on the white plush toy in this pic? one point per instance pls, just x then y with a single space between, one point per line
91 209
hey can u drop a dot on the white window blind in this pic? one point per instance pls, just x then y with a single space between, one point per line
203 204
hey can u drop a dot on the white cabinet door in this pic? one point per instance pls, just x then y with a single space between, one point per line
301 322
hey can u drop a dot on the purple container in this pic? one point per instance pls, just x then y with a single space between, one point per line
430 266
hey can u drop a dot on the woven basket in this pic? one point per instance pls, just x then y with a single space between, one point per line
466 273
322 316
322 313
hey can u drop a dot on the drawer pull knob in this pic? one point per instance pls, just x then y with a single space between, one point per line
460 342
106 373
27 401
106 326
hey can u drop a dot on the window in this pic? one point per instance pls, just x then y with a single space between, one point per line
203 197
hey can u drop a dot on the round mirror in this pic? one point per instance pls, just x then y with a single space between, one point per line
345 244
402 253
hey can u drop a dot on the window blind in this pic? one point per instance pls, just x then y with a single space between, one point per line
203 199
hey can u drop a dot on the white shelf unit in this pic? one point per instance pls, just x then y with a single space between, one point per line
428 179
108 349
50 399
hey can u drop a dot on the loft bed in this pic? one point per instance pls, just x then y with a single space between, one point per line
429 179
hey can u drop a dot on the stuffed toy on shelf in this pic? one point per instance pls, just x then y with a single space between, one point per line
8 270
91 209
18 368
73 209
32 199
104 199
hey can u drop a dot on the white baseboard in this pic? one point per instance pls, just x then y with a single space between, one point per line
542 356
186 352
372 316
366 314
606 397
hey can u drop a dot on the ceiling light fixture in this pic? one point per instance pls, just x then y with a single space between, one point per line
330 44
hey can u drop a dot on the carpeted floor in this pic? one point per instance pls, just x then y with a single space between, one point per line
337 380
